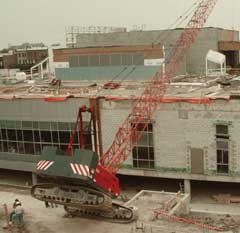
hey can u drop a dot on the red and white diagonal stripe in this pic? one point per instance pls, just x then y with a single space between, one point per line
82 170
44 165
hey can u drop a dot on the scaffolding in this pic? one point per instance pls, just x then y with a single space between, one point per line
71 32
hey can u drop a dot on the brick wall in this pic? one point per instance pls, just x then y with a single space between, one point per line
62 55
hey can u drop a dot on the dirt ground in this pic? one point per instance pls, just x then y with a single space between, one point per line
40 219
50 220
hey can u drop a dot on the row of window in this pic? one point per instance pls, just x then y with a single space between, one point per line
43 125
28 61
36 136
31 148
32 141
29 141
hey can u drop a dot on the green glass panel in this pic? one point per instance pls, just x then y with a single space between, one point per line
18 124
3 124
44 125
35 125
63 126
27 124
54 125
72 125
10 124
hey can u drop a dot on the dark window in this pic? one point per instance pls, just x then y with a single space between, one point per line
143 153
21 148
29 148
28 135
64 136
11 134
12 147
38 149
5 146
222 144
222 131
19 135
36 136
4 134
46 136
55 138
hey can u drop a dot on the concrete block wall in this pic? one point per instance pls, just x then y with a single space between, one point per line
112 116
178 127
195 61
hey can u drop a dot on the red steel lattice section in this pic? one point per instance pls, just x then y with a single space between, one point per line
127 135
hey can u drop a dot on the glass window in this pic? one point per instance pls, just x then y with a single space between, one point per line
11 134
55 138
4 134
19 135
35 125
143 153
64 136
221 129
222 144
63 126
28 135
5 146
29 148
3 124
44 125
54 126
37 147
1 146
36 136
27 124
21 148
11 124
18 124
46 136
12 147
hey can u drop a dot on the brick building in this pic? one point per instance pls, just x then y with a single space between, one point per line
23 59
218 39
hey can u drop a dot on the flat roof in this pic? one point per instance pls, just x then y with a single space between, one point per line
183 87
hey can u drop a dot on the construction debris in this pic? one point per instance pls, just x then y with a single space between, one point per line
226 198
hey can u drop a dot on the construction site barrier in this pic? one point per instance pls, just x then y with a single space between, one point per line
55 99
185 220
172 100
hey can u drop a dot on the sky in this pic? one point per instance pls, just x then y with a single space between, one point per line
45 20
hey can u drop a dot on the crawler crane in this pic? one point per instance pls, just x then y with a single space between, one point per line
85 184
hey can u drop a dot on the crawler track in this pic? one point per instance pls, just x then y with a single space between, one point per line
84 202
118 213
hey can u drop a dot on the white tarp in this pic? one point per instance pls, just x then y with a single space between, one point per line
153 62
215 57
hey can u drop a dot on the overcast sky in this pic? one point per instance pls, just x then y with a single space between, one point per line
45 20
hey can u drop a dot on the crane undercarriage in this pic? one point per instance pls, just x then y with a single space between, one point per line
79 200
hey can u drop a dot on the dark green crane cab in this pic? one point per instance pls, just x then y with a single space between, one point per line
81 165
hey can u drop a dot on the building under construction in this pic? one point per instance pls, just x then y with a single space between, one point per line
193 136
